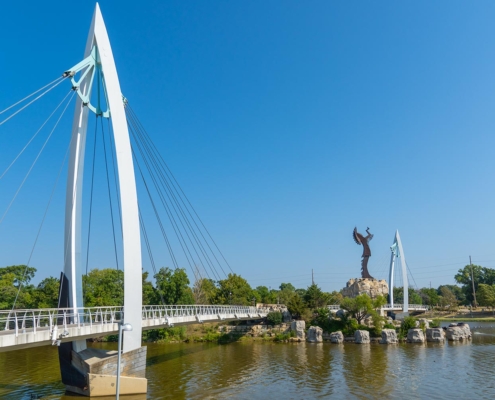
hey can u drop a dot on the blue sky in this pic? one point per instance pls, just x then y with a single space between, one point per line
287 125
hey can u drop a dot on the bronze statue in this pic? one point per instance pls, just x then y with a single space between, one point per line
360 239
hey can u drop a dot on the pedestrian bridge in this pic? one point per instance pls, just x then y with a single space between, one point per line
31 328
387 307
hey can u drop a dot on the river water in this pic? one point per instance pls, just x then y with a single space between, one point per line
267 370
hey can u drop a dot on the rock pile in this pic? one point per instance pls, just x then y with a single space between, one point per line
372 287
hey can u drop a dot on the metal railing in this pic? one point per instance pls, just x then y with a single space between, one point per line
396 306
21 320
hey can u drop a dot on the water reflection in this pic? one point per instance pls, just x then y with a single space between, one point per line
293 371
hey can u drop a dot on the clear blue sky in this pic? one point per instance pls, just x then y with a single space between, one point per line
287 124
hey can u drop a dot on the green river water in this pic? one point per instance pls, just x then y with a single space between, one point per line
267 370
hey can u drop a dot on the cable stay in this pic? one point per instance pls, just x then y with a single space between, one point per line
53 84
35 160
34 136
169 174
195 240
42 221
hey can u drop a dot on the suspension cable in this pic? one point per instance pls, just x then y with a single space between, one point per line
35 160
109 194
36 134
142 146
31 102
91 196
32 94
164 164
42 223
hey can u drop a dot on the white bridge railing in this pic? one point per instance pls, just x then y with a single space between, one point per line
395 306
18 321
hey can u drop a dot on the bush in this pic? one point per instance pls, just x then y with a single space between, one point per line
408 323
274 318
435 323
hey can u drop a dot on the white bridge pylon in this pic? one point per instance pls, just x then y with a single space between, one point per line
398 251
98 47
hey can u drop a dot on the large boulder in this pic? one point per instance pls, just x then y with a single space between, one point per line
372 287
337 337
361 337
299 327
459 332
315 334
435 335
389 336
415 336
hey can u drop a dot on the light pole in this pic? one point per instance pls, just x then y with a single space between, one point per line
127 328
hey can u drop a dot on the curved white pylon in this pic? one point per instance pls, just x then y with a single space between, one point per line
398 251
128 197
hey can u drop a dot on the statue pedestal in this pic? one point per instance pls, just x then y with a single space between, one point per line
372 287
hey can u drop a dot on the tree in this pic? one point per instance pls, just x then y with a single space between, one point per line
296 306
46 293
173 286
486 295
315 298
362 305
264 294
482 275
429 296
447 298
103 287
149 295
22 273
234 290
287 286
204 291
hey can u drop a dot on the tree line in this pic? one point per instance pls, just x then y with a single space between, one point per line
104 287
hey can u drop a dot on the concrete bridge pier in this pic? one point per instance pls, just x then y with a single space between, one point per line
93 372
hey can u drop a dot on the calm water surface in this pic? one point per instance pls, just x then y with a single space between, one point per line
284 371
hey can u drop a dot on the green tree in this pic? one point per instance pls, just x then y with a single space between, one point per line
486 295
296 306
173 286
287 286
362 305
149 294
22 273
235 290
429 296
46 293
447 298
264 294
315 297
103 287
274 318
482 275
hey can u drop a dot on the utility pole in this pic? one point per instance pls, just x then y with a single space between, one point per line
472 281
312 276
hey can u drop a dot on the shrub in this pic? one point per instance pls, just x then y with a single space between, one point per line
435 323
274 318
408 323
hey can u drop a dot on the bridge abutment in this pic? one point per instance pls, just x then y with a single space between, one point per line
99 368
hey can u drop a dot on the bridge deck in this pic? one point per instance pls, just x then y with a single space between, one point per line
31 328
